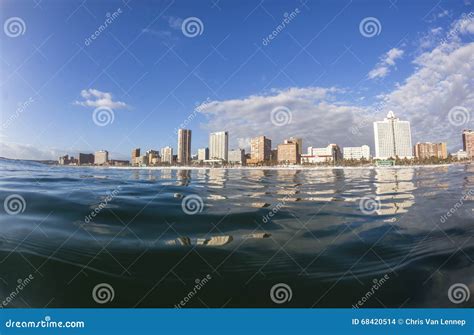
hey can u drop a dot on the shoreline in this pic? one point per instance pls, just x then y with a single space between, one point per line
291 168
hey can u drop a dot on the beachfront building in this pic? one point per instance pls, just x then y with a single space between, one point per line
184 146
356 153
260 150
330 154
237 156
85 159
101 157
288 152
298 140
392 138
167 155
153 157
468 142
427 150
135 155
219 145
460 155
203 154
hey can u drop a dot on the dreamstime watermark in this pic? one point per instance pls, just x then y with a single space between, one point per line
22 284
103 116
103 293
110 18
459 116
275 209
287 18
281 293
14 27
457 205
46 323
186 122
108 198
199 284
14 204
459 293
370 27
281 116
369 205
192 204
465 21
20 109
377 284
192 27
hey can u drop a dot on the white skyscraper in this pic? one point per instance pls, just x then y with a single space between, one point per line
219 145
392 138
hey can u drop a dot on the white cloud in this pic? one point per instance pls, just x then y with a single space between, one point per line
315 115
387 61
95 98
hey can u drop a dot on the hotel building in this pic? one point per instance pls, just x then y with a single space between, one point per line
330 154
468 142
85 159
167 155
184 146
392 138
356 152
237 156
219 145
203 154
289 152
135 155
101 157
260 150
427 150
153 157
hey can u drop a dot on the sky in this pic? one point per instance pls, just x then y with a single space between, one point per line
81 76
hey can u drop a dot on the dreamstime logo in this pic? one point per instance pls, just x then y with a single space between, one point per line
369 205
377 284
200 283
22 284
281 116
103 293
281 293
287 18
370 27
14 204
458 116
14 27
192 27
192 204
109 19
458 293
102 116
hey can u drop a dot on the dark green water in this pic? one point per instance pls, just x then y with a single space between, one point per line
317 241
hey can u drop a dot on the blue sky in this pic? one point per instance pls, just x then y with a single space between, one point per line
330 78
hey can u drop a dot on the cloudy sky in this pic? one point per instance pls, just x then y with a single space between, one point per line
122 74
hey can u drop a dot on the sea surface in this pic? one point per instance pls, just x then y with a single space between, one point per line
103 237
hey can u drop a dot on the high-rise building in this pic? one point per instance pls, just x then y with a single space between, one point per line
468 142
260 149
85 159
427 150
135 154
203 154
153 157
101 157
237 156
167 155
219 145
298 140
392 138
184 146
356 152
288 152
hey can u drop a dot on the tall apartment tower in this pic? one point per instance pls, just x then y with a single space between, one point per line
135 155
184 146
392 138
219 145
260 149
468 142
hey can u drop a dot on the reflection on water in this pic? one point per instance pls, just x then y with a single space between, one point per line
255 228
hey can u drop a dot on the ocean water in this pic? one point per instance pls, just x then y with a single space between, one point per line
93 237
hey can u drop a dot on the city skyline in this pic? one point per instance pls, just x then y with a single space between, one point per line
306 91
